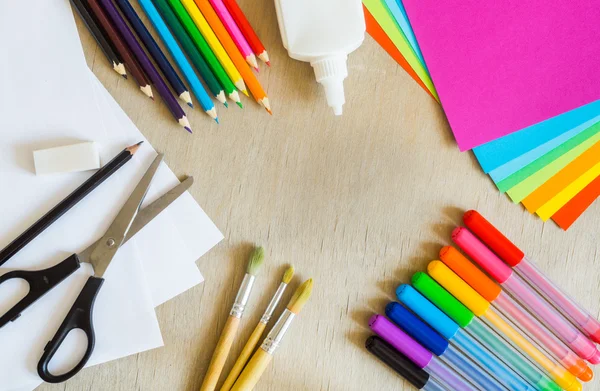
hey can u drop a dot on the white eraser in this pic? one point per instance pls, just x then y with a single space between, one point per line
70 158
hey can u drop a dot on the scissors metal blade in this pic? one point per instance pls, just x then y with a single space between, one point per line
114 237
146 215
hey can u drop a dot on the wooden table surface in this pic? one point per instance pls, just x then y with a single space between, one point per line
358 202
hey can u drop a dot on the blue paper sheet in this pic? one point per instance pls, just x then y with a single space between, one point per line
498 152
397 10
509 168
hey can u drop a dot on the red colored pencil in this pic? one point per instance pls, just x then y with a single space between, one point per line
246 29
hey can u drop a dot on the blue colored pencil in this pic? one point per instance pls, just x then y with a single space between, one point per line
145 63
155 51
176 52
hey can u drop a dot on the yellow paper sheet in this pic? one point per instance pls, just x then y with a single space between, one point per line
558 201
379 11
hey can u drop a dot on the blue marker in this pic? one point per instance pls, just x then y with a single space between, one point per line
451 331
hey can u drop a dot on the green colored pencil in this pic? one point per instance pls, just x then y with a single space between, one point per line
202 46
188 46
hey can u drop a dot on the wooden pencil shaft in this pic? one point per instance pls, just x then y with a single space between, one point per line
244 356
143 60
220 354
253 371
97 32
157 54
240 18
202 46
188 46
65 205
130 62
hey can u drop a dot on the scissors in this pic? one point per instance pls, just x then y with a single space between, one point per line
126 224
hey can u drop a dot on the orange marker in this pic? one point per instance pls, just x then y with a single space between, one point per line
233 52
512 310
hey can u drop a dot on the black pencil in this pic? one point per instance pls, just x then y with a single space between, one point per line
72 199
101 38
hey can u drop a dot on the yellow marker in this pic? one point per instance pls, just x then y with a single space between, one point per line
481 307
214 44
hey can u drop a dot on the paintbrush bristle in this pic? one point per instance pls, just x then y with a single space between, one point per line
300 297
256 260
287 276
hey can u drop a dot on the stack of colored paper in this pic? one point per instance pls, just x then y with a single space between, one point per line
518 82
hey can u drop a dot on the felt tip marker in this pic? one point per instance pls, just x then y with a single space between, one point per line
438 345
472 327
402 365
512 310
510 281
440 322
480 307
423 358
515 258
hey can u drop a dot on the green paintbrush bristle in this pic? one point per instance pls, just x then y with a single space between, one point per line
256 260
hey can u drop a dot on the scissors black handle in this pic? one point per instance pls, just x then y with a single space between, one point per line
40 282
79 317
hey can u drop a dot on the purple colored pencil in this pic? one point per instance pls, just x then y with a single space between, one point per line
418 354
145 63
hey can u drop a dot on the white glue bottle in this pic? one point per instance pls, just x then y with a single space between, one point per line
323 32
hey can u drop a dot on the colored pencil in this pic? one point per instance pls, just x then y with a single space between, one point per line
155 51
205 50
185 67
130 62
146 64
188 46
246 29
234 32
215 45
101 39
233 52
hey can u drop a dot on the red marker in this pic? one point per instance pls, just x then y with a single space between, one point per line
517 259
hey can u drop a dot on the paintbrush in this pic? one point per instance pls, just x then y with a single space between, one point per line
258 331
261 359
233 322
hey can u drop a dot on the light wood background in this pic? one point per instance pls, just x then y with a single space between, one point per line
358 202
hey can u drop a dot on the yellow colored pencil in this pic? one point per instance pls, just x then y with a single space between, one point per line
258 331
261 359
215 45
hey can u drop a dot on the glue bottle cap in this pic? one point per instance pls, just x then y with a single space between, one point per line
330 72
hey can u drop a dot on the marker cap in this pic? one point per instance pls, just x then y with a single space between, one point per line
493 238
470 273
401 341
397 361
458 288
443 300
426 311
416 328
481 254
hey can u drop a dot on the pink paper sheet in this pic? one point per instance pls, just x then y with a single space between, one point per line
500 66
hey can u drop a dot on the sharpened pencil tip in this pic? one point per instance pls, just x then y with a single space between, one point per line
217 120
245 92
239 104
226 104
133 148
151 97
257 70
124 77
269 111
268 63
188 129
191 105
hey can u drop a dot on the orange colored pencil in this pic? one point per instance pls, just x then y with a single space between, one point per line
238 60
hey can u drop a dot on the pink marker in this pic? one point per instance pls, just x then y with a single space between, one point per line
517 259
235 33
510 281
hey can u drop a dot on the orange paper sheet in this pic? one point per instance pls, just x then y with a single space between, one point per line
562 179
375 31
567 215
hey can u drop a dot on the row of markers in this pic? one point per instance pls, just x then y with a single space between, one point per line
459 330
216 36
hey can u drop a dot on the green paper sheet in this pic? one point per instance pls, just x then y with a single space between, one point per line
548 165
380 12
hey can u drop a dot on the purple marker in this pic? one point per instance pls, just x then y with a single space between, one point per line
418 354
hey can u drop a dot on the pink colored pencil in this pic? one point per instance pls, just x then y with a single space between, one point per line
234 32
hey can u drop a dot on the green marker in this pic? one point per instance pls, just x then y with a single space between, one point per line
199 46
478 330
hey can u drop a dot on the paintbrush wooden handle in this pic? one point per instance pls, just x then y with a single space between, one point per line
253 371
220 354
244 356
